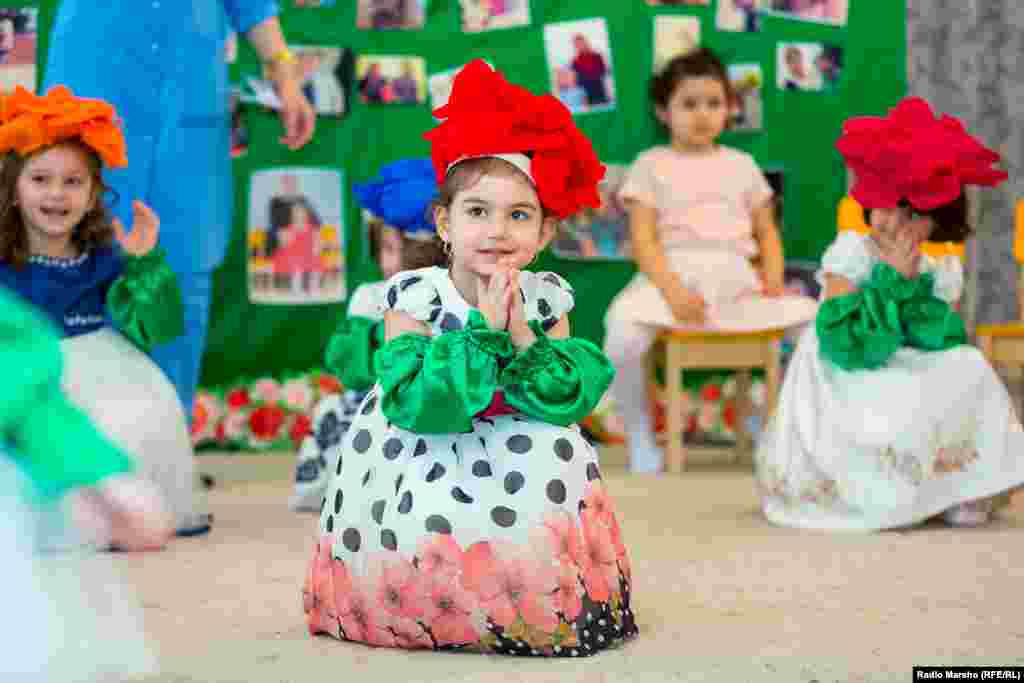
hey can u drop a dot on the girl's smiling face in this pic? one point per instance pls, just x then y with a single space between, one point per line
54 192
495 223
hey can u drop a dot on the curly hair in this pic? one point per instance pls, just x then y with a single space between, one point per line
95 230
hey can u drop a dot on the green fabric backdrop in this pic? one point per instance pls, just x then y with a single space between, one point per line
799 131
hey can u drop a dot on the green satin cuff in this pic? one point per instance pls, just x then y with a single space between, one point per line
436 385
863 329
145 301
350 352
559 381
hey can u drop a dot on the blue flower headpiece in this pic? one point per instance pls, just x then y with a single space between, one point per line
400 196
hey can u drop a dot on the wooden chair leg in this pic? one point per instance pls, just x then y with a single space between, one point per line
772 378
743 439
985 346
674 424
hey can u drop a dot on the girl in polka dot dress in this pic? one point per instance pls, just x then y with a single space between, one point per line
466 511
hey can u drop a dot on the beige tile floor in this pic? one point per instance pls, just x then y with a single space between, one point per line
720 594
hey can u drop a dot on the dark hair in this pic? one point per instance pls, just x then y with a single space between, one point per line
700 63
950 220
416 253
468 173
95 230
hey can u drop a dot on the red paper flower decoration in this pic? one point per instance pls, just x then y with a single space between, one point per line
488 115
29 123
912 155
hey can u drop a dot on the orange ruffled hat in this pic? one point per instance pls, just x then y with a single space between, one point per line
29 122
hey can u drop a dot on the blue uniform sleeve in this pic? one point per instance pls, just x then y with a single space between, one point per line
244 14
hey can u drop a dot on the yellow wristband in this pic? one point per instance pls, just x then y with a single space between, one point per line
283 56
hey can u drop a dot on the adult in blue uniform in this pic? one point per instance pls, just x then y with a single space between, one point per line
161 64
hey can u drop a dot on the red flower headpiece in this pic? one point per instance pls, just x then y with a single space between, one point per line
29 123
488 115
911 155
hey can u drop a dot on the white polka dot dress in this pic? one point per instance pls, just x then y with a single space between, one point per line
501 539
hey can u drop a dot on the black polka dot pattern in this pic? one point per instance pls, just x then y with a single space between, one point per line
367 477
388 539
330 523
363 441
405 505
421 448
392 296
519 444
392 448
563 449
556 491
337 470
398 483
377 511
543 307
352 540
338 498
436 472
514 482
503 516
409 282
482 468
593 472
328 432
461 496
438 524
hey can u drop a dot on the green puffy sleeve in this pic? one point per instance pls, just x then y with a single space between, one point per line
436 385
559 381
351 350
51 440
145 301
863 329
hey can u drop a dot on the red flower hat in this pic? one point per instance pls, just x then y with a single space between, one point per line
488 115
911 155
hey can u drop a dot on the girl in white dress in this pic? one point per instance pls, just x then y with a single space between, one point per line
886 416
467 511
108 289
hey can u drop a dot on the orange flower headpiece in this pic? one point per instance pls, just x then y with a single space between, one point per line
29 123
911 155
488 116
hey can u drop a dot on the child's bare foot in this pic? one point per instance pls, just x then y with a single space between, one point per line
124 513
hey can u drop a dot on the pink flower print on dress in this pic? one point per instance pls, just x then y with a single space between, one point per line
598 502
601 572
400 588
509 586
439 554
562 531
410 634
567 600
361 619
449 611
